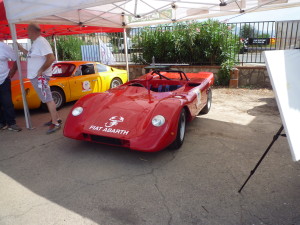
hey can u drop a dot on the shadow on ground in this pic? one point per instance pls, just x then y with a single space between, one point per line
55 180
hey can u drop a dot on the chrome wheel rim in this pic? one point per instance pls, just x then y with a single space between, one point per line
182 126
209 97
57 98
115 83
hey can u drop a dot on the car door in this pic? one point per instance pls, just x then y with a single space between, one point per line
83 81
105 76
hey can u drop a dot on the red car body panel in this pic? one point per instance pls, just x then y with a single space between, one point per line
122 116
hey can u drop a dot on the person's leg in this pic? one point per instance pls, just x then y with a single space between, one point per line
2 120
53 112
45 96
55 121
8 112
56 125
44 92
50 103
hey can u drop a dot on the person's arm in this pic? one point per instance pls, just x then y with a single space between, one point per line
20 47
49 60
13 70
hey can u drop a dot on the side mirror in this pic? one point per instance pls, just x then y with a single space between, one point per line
112 69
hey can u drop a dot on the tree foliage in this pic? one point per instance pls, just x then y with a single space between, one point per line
203 43
195 43
68 47
249 31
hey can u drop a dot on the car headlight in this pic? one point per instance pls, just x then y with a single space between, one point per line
77 111
158 120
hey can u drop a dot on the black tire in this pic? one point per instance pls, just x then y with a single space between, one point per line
115 82
207 107
58 96
180 131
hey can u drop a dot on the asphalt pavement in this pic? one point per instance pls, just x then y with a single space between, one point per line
50 179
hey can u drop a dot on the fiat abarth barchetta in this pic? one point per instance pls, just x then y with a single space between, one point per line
145 114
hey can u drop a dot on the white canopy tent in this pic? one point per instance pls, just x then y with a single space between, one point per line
126 14
131 13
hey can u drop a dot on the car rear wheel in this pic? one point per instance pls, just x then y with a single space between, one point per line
180 130
115 82
58 97
207 107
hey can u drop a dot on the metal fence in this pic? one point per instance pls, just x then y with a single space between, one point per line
253 37
265 36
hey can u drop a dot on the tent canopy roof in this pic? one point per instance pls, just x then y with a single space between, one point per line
49 30
131 13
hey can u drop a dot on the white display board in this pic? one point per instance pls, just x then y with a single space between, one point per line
284 71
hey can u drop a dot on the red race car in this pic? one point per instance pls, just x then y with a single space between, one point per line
145 114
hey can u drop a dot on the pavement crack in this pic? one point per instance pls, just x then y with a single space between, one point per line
230 172
18 154
163 198
173 155
23 213
204 209
86 184
224 143
128 177
29 150
243 217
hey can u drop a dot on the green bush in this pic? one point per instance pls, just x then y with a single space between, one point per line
68 47
224 73
195 43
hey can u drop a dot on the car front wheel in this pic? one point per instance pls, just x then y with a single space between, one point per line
180 130
207 107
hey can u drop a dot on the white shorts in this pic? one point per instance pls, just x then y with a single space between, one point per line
42 88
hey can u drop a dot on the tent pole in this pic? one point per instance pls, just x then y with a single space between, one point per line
99 47
126 52
25 105
55 48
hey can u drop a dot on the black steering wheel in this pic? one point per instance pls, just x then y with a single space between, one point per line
136 85
160 75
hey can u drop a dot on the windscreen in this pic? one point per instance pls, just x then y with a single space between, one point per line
62 69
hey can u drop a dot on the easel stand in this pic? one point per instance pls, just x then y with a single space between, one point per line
263 156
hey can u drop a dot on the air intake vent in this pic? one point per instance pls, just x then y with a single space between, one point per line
108 140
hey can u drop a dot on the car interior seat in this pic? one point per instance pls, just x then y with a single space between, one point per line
87 70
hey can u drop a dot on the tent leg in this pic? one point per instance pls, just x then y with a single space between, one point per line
263 156
25 105
55 48
99 47
126 51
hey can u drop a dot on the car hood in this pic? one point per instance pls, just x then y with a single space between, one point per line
17 82
125 112
26 81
